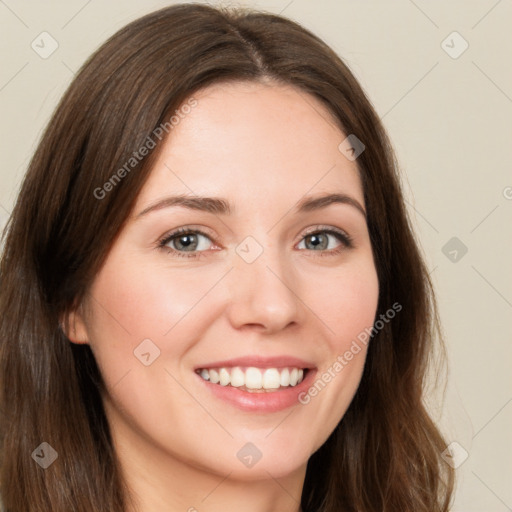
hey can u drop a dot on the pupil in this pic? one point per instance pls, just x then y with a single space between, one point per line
188 240
316 240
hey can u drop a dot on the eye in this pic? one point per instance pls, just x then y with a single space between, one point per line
191 243
320 241
184 240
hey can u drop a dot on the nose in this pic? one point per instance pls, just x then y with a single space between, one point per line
263 293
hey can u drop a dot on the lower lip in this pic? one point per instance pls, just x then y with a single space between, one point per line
272 401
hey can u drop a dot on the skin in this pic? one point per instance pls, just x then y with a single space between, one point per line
262 147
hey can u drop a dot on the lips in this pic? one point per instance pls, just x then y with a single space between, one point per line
256 383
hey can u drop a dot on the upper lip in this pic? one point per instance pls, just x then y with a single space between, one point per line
260 362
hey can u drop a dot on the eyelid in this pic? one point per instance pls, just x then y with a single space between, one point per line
325 228
187 229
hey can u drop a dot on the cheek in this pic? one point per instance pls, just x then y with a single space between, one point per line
146 301
133 301
345 301
346 304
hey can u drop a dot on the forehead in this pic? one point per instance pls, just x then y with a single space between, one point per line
245 139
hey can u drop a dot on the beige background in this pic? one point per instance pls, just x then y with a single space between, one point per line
450 121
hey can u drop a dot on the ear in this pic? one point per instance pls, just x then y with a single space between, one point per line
73 326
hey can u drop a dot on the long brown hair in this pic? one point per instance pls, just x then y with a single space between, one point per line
385 453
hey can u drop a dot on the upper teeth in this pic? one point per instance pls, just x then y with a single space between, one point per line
254 378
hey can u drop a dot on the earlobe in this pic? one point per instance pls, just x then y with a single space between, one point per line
73 326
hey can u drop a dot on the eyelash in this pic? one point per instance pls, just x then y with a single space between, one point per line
344 238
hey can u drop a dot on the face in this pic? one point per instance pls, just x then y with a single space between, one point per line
224 328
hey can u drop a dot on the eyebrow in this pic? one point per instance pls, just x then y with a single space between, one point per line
219 206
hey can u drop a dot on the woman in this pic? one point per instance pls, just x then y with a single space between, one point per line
211 296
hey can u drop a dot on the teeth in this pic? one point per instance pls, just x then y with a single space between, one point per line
285 377
254 378
214 377
294 375
271 379
237 377
224 377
